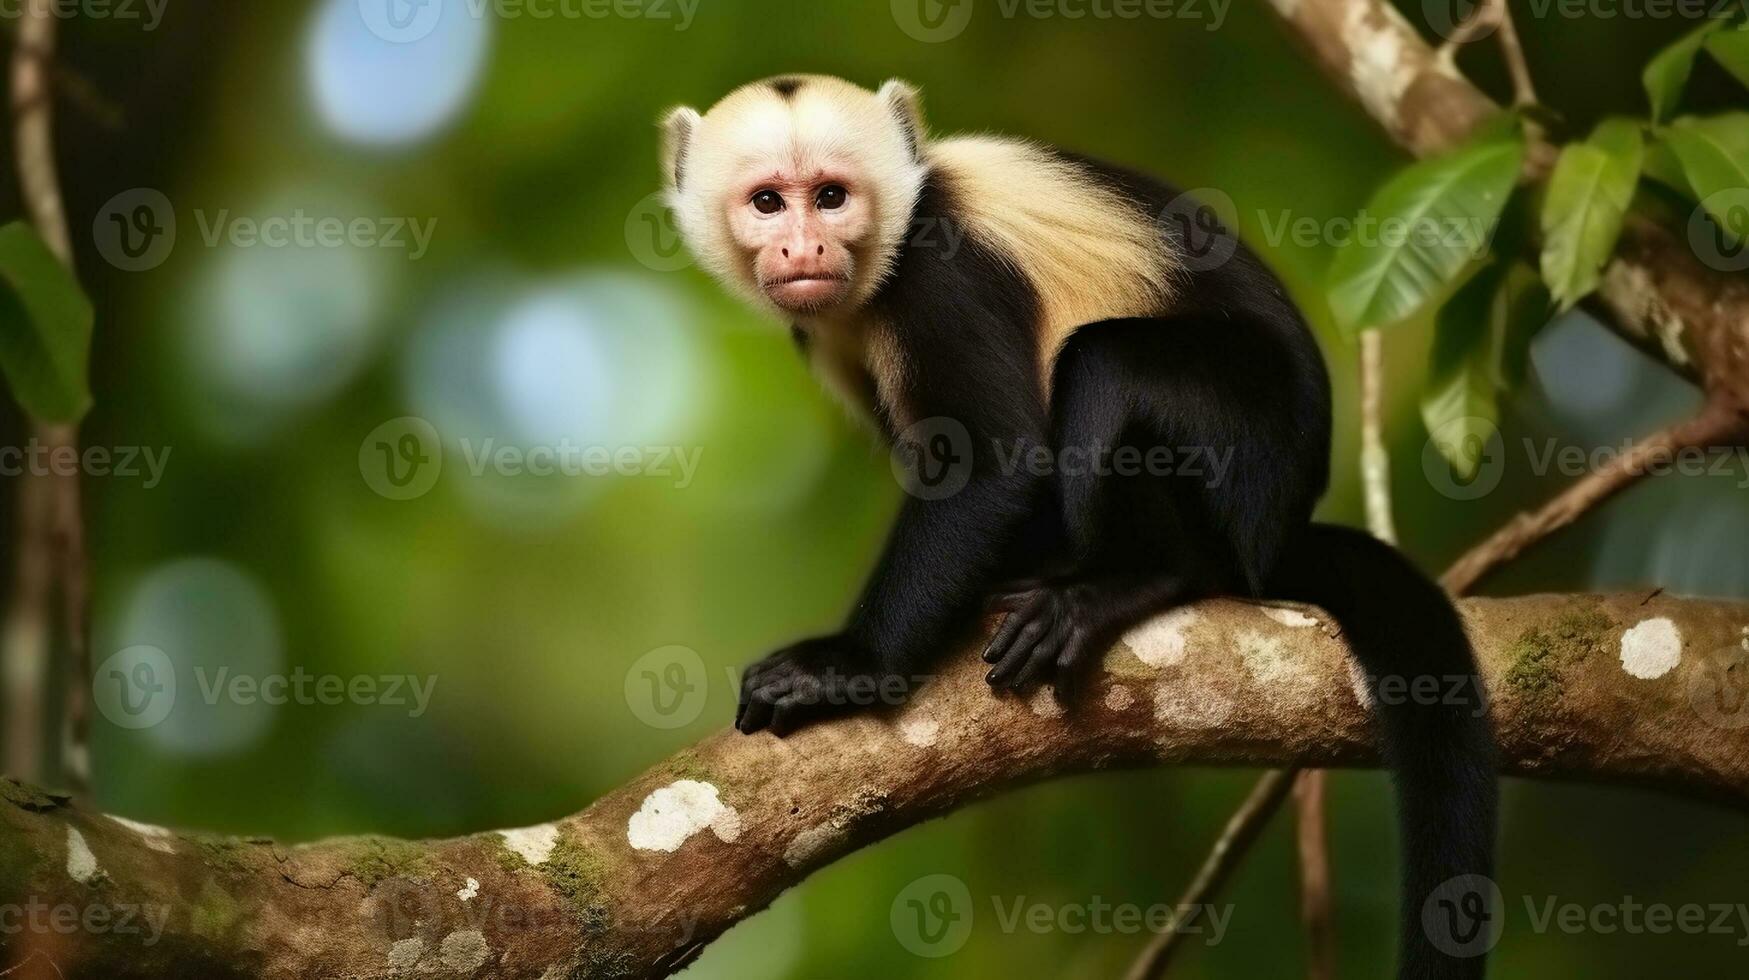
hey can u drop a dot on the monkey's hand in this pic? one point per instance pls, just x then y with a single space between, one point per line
810 680
1053 632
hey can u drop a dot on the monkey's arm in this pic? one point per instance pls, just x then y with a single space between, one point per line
947 544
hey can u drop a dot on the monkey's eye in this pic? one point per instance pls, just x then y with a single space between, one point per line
768 202
831 197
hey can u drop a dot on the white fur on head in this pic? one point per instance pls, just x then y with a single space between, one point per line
708 160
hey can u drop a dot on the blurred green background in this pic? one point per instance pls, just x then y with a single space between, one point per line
549 304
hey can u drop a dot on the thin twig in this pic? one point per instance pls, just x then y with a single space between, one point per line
52 528
1243 828
1523 92
1482 19
1312 839
1375 462
1715 425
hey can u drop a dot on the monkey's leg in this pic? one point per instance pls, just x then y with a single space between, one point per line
1137 402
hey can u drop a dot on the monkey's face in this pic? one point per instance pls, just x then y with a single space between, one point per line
797 191
800 233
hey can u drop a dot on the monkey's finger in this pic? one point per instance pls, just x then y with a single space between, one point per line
787 713
1072 664
1014 657
757 716
1043 655
1017 620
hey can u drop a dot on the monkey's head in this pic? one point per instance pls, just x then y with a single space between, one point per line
796 191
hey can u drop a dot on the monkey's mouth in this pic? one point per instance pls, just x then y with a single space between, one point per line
807 277
807 290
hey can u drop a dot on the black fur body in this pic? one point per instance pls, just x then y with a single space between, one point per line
1077 558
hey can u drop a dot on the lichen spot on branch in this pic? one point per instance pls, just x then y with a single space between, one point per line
672 814
1651 649
1163 640
534 844
81 863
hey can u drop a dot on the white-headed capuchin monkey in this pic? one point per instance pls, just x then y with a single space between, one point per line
1066 318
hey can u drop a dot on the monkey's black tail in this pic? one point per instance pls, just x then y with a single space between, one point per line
1436 738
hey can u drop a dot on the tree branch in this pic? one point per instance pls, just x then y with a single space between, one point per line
1715 425
637 883
51 527
1655 291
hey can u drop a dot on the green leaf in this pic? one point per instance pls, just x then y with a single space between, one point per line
1524 307
1662 166
45 328
1666 75
1458 403
1730 48
1481 344
1428 223
1588 195
1714 153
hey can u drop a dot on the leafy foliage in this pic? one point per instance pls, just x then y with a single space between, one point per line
1429 223
1588 196
1714 155
1481 345
45 328
1483 329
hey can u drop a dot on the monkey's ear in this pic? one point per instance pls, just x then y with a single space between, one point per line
677 129
906 104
